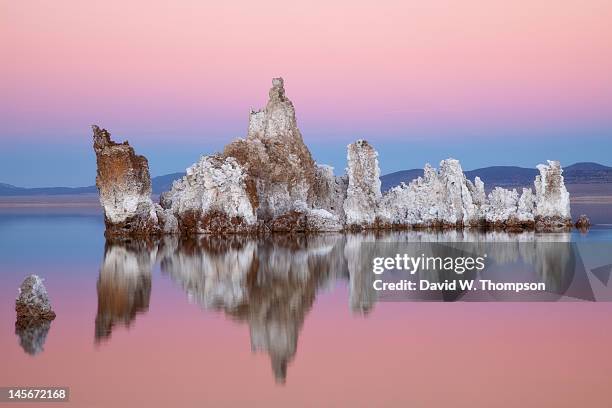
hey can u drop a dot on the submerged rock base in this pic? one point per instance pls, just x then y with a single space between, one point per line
269 182
583 223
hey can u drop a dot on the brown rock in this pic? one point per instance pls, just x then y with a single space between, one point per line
212 222
552 224
33 304
275 157
124 184
583 223
292 221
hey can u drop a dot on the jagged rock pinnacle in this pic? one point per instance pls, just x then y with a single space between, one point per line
124 184
277 92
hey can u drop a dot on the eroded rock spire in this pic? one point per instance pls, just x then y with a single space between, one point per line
275 157
363 193
552 203
124 184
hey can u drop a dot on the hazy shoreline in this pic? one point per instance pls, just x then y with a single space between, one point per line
579 194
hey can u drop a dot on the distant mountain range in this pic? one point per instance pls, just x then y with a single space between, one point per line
503 176
513 176
159 185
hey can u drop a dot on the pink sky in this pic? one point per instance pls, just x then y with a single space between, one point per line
485 81
194 67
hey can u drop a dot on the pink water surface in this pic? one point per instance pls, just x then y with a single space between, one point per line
410 354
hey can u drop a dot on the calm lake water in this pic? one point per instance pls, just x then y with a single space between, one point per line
286 321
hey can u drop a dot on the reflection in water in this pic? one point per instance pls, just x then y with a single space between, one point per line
271 283
362 295
519 257
32 335
124 284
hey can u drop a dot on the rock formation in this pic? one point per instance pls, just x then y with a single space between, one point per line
34 315
275 156
438 199
269 182
445 198
552 202
125 188
363 192
265 182
33 302
583 223
525 208
331 192
215 196
501 206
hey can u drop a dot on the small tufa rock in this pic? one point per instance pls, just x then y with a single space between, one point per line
33 302
583 223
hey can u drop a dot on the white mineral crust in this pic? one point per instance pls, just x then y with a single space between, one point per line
552 198
502 205
363 192
33 300
443 196
212 184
